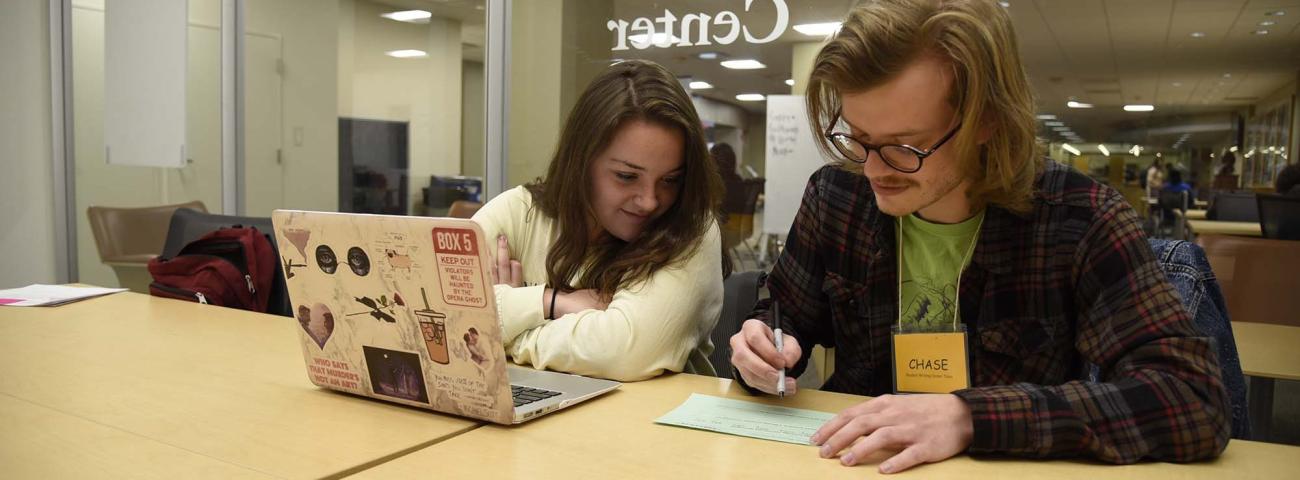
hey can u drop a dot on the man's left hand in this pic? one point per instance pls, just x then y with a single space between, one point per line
926 428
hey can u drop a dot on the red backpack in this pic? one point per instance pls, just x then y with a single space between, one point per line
231 267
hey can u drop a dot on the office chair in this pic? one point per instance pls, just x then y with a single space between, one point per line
1234 207
739 294
188 225
1279 216
738 207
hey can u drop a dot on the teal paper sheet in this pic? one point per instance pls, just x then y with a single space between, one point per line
746 419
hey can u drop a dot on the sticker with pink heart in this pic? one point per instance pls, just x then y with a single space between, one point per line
317 321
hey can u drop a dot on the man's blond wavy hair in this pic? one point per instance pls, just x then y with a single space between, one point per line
990 89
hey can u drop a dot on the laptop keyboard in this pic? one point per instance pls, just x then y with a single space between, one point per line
526 395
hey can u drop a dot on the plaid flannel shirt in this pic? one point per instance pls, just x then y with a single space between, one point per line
1070 282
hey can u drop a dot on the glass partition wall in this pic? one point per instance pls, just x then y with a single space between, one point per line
386 106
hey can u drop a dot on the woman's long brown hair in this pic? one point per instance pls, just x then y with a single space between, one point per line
626 91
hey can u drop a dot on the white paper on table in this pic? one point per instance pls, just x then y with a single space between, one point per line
38 295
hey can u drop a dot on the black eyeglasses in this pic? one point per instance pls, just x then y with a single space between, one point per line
904 158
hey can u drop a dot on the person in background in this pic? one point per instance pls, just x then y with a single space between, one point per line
1175 182
733 200
1229 164
1226 179
1155 177
725 156
611 265
944 206
1288 180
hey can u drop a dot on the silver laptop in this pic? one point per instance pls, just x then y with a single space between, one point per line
402 309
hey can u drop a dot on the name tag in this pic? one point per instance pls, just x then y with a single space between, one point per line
930 362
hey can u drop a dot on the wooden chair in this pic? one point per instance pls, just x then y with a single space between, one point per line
463 209
1257 276
127 238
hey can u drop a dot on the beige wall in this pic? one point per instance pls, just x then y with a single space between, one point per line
534 109
309 31
423 91
26 184
473 138
585 47
802 56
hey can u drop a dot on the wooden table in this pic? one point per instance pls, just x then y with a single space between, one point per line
1247 229
149 387
40 442
1268 352
615 437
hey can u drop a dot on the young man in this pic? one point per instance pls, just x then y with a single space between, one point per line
1048 271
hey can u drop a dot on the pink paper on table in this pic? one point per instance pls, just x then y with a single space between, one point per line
6 301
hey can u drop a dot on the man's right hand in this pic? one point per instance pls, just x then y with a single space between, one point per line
753 353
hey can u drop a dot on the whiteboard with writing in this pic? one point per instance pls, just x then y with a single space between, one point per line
792 157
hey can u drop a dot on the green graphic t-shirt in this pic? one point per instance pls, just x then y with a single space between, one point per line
933 256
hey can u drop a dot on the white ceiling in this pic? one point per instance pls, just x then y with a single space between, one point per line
1115 52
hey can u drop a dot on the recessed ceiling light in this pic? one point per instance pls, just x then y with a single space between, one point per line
1261 32
1177 84
745 64
1267 23
818 29
1061 129
660 39
1198 34
750 97
1047 117
409 16
701 85
1275 13
1005 4
710 55
1068 148
1054 124
1102 148
407 53
1139 108
1074 104
789 81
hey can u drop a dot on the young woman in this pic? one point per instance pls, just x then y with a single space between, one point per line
611 266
